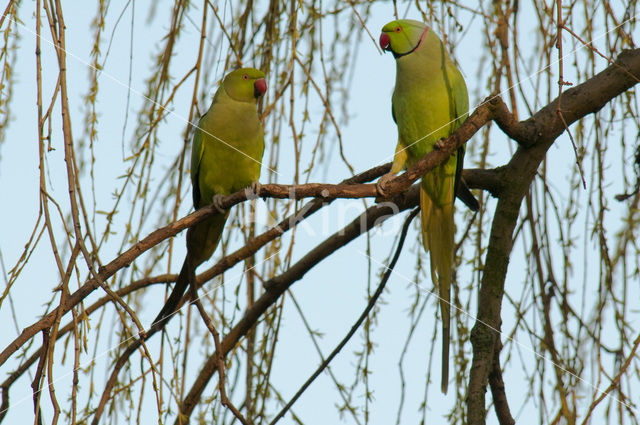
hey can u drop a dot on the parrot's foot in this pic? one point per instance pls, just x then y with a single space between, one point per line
253 191
217 203
439 145
382 184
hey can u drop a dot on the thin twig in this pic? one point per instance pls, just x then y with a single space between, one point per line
615 381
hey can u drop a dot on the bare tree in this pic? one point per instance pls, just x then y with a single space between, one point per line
548 273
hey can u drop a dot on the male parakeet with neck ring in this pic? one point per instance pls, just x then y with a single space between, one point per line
430 102
226 156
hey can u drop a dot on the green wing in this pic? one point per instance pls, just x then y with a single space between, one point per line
460 110
197 150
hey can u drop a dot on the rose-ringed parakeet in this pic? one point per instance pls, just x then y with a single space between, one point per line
226 155
430 102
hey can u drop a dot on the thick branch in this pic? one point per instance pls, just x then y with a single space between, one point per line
279 284
274 288
479 179
157 236
489 180
534 136
500 404
529 134
326 192
586 98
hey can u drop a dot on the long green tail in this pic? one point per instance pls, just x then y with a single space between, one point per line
202 240
437 237
174 298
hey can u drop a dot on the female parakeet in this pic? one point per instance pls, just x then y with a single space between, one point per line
226 155
430 102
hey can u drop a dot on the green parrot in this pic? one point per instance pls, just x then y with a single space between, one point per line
430 102
226 156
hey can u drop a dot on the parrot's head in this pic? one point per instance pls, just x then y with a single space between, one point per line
402 37
245 84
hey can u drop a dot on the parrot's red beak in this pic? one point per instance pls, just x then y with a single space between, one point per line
260 87
385 41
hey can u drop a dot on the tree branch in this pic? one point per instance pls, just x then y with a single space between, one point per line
488 179
534 136
356 325
500 403
537 134
157 236
350 188
224 264
276 286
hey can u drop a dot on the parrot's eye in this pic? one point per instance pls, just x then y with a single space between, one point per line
398 29
245 77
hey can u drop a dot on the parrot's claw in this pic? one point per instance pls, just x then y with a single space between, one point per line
439 145
253 191
383 183
217 203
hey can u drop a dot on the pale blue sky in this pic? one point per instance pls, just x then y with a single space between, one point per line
332 294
